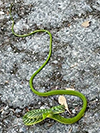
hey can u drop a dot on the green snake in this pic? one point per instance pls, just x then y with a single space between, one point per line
38 115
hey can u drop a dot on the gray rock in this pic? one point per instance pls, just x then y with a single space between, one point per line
75 62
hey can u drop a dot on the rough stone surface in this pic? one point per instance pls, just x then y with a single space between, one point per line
75 62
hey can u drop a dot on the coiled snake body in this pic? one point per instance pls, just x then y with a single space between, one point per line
35 116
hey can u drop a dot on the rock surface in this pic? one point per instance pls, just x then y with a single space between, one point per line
75 62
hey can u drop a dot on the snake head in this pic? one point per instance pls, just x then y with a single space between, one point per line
54 110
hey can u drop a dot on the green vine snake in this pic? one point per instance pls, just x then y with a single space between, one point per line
38 115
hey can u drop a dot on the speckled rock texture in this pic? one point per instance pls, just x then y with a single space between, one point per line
75 62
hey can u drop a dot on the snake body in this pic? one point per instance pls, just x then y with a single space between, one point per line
36 116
